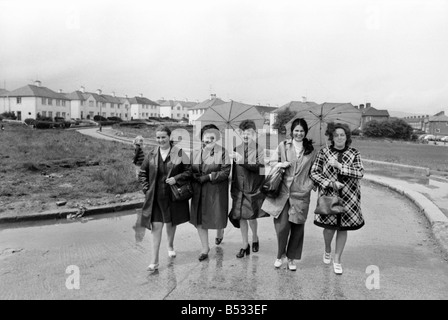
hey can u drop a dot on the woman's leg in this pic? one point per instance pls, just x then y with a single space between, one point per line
341 239
295 243
170 232
282 229
220 233
203 236
244 227
254 227
328 237
156 233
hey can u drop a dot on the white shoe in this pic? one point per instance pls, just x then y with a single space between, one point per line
278 263
153 267
327 258
291 265
171 254
337 267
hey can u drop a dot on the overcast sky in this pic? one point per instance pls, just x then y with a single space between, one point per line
391 53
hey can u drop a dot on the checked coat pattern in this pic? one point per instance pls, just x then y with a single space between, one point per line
350 175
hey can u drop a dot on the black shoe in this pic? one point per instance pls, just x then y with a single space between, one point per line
256 246
243 251
203 256
218 241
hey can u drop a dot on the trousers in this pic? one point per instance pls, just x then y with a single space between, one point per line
289 236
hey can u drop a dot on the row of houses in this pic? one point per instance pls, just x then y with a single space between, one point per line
34 101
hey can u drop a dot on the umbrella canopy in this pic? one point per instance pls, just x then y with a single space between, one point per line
229 115
319 116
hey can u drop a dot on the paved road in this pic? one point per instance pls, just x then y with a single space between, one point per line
396 241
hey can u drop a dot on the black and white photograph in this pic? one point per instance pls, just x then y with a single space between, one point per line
224 158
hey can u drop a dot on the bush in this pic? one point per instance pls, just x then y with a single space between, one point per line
9 115
394 129
30 121
99 118
116 119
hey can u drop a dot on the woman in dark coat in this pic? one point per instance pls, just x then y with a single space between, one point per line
164 165
341 164
248 159
210 203
290 208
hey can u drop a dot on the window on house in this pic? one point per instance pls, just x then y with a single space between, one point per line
63 103
438 130
91 104
178 108
58 114
50 114
19 100
50 102
118 106
82 103
44 101
44 113
63 114
58 102
178 115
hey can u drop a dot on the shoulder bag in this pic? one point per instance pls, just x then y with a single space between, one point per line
329 204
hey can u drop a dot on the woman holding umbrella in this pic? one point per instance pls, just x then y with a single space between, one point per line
210 203
290 208
341 164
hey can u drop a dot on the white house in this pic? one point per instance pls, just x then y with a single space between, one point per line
175 109
197 111
3 97
142 108
126 108
32 101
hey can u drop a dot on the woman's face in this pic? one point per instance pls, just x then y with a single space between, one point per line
298 133
163 139
209 139
339 138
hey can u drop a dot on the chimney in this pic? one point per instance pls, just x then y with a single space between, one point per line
212 96
141 95
186 99
37 83
60 90
303 99
367 105
98 91
361 106
83 90
126 96
113 93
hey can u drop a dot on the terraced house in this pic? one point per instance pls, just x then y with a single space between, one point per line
34 100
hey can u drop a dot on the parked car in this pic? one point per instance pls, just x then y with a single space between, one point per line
444 139
430 137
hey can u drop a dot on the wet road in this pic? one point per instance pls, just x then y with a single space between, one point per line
396 243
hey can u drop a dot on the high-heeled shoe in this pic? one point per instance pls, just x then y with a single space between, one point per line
256 246
243 252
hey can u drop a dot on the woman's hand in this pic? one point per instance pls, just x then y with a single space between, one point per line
339 185
170 181
335 163
285 164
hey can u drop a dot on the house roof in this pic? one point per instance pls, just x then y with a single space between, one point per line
3 91
441 118
142 100
296 106
166 103
208 103
35 91
111 99
372 112
265 109
75 95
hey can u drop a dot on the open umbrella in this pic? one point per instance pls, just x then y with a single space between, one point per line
317 118
228 116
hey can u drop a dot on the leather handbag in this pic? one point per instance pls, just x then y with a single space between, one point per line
181 192
329 204
272 184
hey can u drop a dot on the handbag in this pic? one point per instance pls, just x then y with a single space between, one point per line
329 204
181 192
272 184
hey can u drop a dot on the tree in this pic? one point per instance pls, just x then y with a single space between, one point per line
283 117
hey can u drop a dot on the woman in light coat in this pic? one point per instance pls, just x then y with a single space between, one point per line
290 208
163 166
210 171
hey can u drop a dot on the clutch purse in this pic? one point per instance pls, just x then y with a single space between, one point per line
181 192
329 204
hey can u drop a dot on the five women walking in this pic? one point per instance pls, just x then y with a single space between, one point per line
208 170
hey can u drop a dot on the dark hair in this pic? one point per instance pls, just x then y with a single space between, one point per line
247 124
331 129
213 129
164 129
307 143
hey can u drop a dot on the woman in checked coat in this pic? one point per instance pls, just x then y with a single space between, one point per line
342 164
